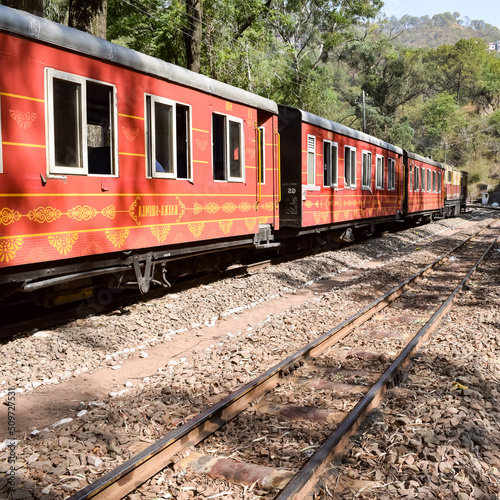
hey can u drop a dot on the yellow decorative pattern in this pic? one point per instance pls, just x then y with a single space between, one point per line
182 209
23 118
317 217
250 223
130 133
308 204
212 208
109 212
117 236
197 208
245 206
8 216
131 210
196 228
269 206
160 232
229 207
202 144
44 214
325 216
63 243
82 213
9 248
226 225
263 220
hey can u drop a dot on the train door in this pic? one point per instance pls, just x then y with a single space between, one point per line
406 182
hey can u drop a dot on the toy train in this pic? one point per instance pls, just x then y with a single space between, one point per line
118 167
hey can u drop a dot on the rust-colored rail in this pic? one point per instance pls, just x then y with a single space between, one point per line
131 474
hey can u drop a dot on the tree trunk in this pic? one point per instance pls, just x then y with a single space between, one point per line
192 38
89 16
32 6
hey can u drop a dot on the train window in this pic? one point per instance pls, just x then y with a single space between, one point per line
391 174
311 160
262 154
82 125
410 177
1 156
366 171
379 173
330 164
422 179
439 181
416 171
428 181
434 182
449 177
169 138
350 167
227 148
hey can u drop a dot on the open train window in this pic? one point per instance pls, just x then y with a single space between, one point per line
366 170
1 155
262 154
82 134
227 148
350 167
311 160
168 138
391 174
379 173
330 164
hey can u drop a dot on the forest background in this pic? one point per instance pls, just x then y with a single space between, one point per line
430 85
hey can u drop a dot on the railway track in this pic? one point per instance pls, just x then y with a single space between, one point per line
25 317
393 326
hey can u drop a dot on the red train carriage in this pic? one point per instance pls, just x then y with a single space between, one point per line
112 160
424 186
334 176
455 185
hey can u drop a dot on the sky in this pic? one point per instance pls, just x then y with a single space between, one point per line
487 10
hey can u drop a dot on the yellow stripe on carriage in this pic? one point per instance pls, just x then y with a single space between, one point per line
23 144
22 97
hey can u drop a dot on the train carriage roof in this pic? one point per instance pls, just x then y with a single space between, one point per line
424 159
346 131
28 25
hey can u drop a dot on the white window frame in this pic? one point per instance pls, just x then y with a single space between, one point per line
439 180
50 74
333 167
150 137
365 186
262 132
434 181
351 185
82 169
423 186
429 181
391 174
313 151
227 119
382 159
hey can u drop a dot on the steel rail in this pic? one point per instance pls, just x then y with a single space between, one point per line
304 482
128 476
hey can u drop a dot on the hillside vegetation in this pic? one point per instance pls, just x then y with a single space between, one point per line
432 32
